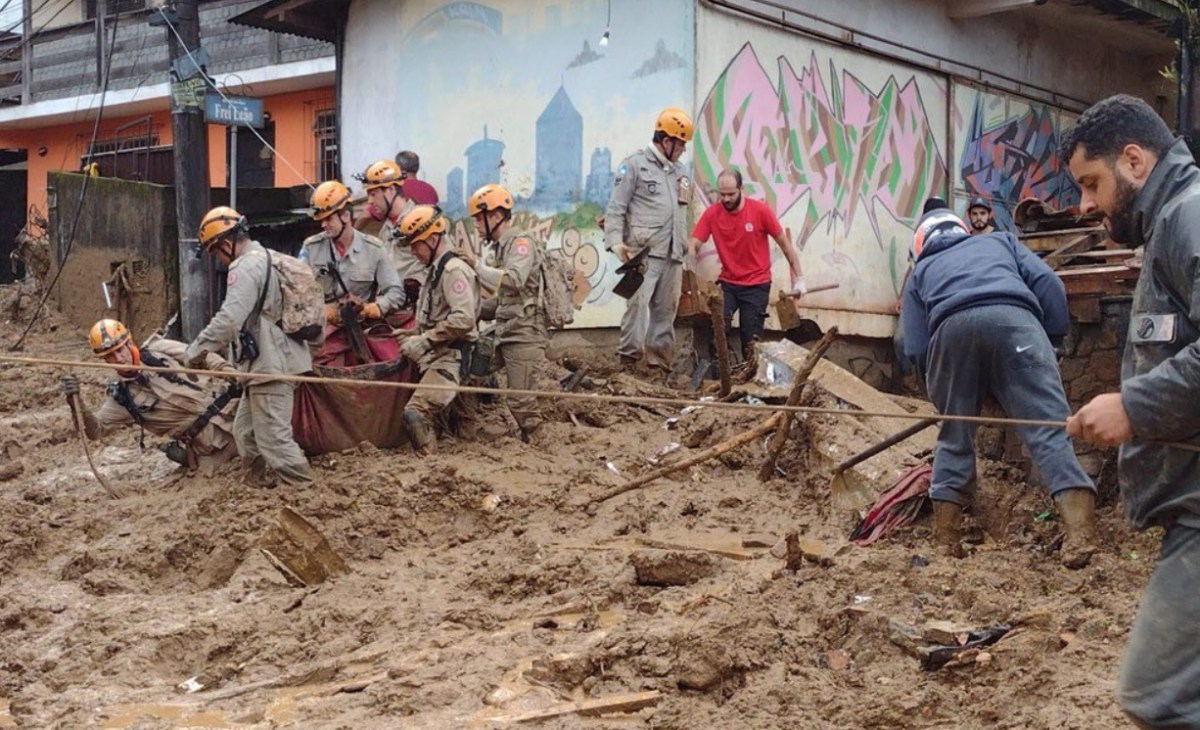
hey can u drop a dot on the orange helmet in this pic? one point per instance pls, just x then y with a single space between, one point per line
933 224
382 174
329 197
420 223
107 335
489 197
218 223
675 122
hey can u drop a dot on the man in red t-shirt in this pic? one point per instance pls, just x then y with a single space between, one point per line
739 227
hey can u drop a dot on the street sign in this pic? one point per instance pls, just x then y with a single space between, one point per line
241 111
188 93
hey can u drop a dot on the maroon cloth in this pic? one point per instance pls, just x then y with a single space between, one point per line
337 351
896 507
419 191
339 416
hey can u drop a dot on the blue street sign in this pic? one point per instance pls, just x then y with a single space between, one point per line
234 111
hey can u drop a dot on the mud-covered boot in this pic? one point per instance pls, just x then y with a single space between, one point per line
1077 507
419 433
947 528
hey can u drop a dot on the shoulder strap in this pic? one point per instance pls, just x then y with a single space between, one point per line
118 390
438 270
262 296
333 266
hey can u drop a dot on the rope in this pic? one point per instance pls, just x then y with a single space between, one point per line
549 394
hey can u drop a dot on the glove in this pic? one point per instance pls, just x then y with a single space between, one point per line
415 347
332 313
798 285
370 310
623 252
70 386
412 290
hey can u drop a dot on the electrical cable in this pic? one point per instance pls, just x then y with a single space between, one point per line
82 195
213 85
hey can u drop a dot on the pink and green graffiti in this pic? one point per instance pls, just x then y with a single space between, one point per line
1014 160
839 149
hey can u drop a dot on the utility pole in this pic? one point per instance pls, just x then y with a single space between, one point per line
190 142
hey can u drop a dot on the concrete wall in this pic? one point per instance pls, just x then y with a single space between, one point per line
120 223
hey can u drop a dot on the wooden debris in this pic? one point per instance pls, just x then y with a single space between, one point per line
716 311
671 568
785 424
630 702
299 551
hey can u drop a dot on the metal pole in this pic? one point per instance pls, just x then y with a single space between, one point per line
191 182
233 165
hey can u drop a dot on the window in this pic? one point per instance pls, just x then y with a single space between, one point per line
325 129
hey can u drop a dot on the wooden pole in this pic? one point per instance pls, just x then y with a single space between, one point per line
716 313
785 424
190 142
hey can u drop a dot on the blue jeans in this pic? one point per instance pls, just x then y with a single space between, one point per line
999 349
1160 672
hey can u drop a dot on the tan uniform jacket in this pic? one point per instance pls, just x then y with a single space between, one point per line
168 407
512 273
449 308
366 270
278 353
645 209
408 266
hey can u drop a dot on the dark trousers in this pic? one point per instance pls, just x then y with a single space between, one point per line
1002 350
1160 673
750 303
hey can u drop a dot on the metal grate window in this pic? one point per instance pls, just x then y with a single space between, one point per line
325 130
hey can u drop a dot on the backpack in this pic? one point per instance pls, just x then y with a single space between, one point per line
303 316
557 291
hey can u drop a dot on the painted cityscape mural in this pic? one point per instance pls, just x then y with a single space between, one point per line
522 92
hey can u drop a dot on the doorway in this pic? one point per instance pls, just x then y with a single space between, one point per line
255 161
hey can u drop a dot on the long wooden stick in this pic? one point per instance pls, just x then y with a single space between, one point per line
716 313
711 452
785 424
76 410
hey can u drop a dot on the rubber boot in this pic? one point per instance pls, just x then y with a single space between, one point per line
419 432
1077 507
947 528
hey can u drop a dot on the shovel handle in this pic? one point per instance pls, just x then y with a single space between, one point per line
811 290
885 444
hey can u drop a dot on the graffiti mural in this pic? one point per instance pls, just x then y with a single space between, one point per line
518 92
1010 152
845 148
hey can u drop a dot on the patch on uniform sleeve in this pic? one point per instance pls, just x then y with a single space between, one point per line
458 286
231 278
522 247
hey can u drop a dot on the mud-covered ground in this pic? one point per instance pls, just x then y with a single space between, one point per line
482 587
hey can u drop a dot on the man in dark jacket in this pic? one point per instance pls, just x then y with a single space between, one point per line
978 315
1146 184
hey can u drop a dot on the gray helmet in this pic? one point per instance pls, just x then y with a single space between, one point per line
979 202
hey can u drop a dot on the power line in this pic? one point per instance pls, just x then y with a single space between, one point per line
213 84
82 194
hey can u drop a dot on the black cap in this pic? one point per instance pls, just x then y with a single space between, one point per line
932 204
979 202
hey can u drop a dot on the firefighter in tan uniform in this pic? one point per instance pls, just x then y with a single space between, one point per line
197 413
446 320
648 209
349 264
511 280
262 426
384 183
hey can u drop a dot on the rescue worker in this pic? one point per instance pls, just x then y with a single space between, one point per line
979 316
386 201
648 209
350 265
511 278
446 321
1145 182
980 216
249 320
195 412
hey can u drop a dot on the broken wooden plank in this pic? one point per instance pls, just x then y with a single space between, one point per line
612 704
299 551
767 470
716 312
